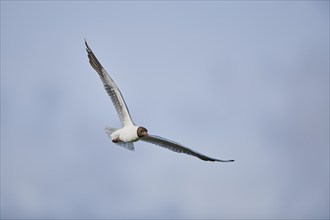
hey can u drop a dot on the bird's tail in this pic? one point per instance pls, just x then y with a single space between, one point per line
127 145
109 131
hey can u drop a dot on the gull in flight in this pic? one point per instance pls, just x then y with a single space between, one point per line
130 133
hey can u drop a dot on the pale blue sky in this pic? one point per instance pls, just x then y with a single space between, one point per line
243 80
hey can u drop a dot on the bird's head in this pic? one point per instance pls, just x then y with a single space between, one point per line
141 132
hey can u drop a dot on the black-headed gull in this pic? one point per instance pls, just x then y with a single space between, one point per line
130 133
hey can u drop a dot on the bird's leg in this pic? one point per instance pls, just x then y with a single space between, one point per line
116 140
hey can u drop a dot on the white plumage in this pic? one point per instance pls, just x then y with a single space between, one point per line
130 133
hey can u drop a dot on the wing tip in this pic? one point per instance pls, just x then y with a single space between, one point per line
215 160
85 42
87 46
224 160
94 61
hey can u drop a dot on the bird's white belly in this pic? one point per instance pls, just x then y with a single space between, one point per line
126 134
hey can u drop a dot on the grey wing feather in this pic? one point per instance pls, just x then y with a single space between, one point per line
111 88
176 147
127 145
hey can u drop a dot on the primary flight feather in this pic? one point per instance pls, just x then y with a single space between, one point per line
130 133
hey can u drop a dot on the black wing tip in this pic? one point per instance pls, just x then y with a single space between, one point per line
217 160
225 160
93 60
206 158
213 159
87 47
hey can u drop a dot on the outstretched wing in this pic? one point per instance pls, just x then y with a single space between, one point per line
176 147
111 88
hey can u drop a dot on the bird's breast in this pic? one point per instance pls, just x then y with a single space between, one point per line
128 134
